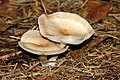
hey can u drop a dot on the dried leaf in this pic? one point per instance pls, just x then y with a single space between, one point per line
91 4
95 42
96 10
6 9
10 11
4 2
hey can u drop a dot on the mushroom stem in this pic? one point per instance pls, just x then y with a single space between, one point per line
52 61
53 58
43 58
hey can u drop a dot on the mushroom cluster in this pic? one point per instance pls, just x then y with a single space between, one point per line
55 32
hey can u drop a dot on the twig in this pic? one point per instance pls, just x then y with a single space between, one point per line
58 5
116 16
117 1
33 66
83 4
14 37
2 66
61 61
3 74
6 56
85 70
22 2
43 7
17 74
25 72
15 68
113 14
111 36
34 74
35 28
50 71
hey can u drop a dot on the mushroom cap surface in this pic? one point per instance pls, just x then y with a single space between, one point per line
33 42
65 27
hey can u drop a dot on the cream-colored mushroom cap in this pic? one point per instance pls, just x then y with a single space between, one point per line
33 42
65 27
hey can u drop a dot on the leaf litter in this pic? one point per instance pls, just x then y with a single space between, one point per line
97 10
96 58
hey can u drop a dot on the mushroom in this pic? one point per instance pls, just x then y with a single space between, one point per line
33 42
65 27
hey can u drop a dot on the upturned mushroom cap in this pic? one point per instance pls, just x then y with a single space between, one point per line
33 42
65 27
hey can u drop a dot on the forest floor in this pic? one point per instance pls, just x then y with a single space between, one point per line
96 59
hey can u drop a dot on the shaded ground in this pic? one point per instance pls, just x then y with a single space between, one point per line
96 59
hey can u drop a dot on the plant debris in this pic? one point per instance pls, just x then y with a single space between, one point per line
96 59
97 10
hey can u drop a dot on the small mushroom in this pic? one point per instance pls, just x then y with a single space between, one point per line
65 27
33 42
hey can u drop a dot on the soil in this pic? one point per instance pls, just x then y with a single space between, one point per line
97 58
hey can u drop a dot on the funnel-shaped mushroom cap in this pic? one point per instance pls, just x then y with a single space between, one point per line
65 27
33 42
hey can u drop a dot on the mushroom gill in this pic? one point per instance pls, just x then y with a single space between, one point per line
65 27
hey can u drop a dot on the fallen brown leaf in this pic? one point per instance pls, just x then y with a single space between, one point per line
4 2
91 4
97 10
97 41
6 9
10 11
